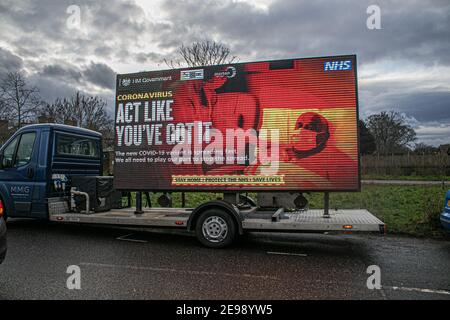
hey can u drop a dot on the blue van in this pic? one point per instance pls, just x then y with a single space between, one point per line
38 160
445 216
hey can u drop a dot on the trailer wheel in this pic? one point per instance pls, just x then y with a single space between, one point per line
215 229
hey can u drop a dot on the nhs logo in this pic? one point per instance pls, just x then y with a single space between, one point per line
338 65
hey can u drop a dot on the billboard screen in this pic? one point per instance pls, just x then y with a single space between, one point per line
274 125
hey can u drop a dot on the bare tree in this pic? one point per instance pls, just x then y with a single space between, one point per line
391 132
423 148
202 53
81 110
54 112
4 114
90 112
367 141
20 101
5 131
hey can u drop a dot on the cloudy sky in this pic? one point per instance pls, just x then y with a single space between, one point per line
404 66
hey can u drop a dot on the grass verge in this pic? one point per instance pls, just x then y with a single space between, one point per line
408 178
412 210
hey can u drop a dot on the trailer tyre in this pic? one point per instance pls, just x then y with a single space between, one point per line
215 229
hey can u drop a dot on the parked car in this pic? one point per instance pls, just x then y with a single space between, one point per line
445 216
2 239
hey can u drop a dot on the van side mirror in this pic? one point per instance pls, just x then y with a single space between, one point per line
5 163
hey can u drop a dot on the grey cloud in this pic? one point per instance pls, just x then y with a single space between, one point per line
424 106
63 79
51 88
106 26
9 62
417 30
144 57
433 133
101 75
103 51
60 72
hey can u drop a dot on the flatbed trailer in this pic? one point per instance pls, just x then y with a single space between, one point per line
307 221
214 230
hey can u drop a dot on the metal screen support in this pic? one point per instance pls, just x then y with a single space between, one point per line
148 199
139 203
129 199
326 205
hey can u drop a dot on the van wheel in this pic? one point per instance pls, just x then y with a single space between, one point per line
215 229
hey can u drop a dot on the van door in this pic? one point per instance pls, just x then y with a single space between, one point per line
17 172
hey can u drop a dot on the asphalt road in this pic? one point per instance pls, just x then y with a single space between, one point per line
156 265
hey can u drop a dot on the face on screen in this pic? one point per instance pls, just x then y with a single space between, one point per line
310 134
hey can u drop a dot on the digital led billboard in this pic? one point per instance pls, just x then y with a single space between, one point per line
287 125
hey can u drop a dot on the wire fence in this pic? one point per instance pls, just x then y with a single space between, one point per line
406 165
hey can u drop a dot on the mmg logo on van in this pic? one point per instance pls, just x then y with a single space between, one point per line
340 65
20 190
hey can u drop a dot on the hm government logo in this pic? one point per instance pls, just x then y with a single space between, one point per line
125 82
230 72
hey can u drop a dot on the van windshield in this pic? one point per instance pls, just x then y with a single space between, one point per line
72 145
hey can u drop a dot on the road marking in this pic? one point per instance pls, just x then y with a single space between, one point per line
419 290
287 254
191 272
124 238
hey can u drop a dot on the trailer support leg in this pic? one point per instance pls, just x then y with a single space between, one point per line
128 199
148 199
139 203
231 197
326 205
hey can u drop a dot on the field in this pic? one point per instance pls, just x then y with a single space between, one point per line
408 178
412 210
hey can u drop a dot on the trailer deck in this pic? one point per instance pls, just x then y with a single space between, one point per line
153 217
315 221
300 221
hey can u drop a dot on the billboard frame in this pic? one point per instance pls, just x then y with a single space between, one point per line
220 189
